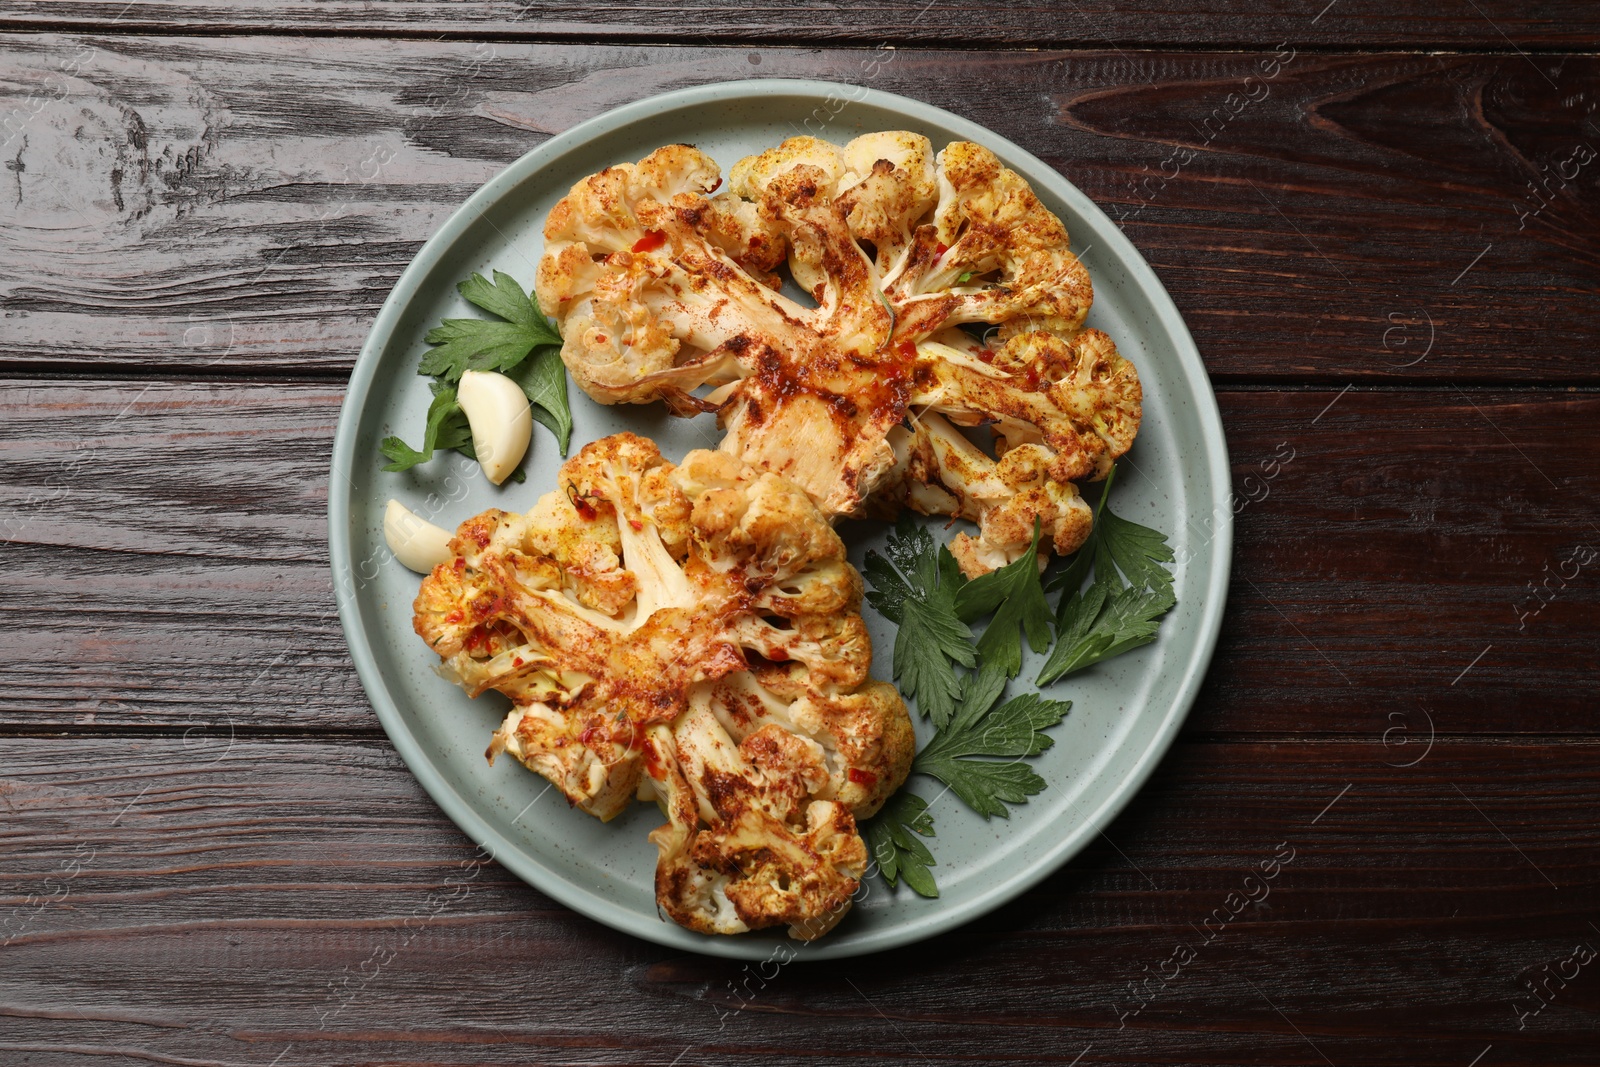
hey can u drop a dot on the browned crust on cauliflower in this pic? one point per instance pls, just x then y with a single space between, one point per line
746 846
662 288
1059 411
695 625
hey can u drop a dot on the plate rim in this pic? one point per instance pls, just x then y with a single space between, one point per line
461 811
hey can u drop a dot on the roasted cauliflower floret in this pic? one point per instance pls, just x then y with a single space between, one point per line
1058 411
642 601
992 253
898 247
858 730
763 781
746 847
889 184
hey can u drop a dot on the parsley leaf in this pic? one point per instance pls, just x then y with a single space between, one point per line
888 590
1108 618
509 300
930 640
1138 552
1016 597
899 855
477 344
446 423
981 742
1130 617
979 729
917 587
544 379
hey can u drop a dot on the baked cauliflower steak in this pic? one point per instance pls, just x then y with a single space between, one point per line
946 300
691 634
659 290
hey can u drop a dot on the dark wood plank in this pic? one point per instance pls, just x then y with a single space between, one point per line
1410 533
941 23
304 904
247 203
166 545
166 563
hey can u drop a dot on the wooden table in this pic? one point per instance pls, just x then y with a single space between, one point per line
1380 222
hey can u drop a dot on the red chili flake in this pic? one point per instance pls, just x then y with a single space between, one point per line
599 338
778 655
941 250
1031 376
454 616
860 777
516 661
461 564
907 349
986 354
636 524
652 240
585 510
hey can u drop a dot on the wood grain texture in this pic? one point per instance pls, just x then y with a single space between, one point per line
1089 23
304 904
166 562
241 204
209 853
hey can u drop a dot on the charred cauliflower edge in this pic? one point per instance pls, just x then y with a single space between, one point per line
661 288
690 634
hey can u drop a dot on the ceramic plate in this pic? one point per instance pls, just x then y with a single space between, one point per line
1124 714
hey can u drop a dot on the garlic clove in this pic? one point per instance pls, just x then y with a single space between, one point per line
501 420
415 542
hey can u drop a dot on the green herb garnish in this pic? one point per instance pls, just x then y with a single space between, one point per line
981 741
957 754
1109 618
899 854
1015 597
917 587
525 347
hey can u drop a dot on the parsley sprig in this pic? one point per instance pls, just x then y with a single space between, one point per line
899 854
1110 617
917 587
525 347
1011 731
981 741
1014 596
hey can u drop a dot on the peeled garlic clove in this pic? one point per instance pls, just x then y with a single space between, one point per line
416 543
501 420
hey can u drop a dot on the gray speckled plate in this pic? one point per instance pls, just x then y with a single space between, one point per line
1125 713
